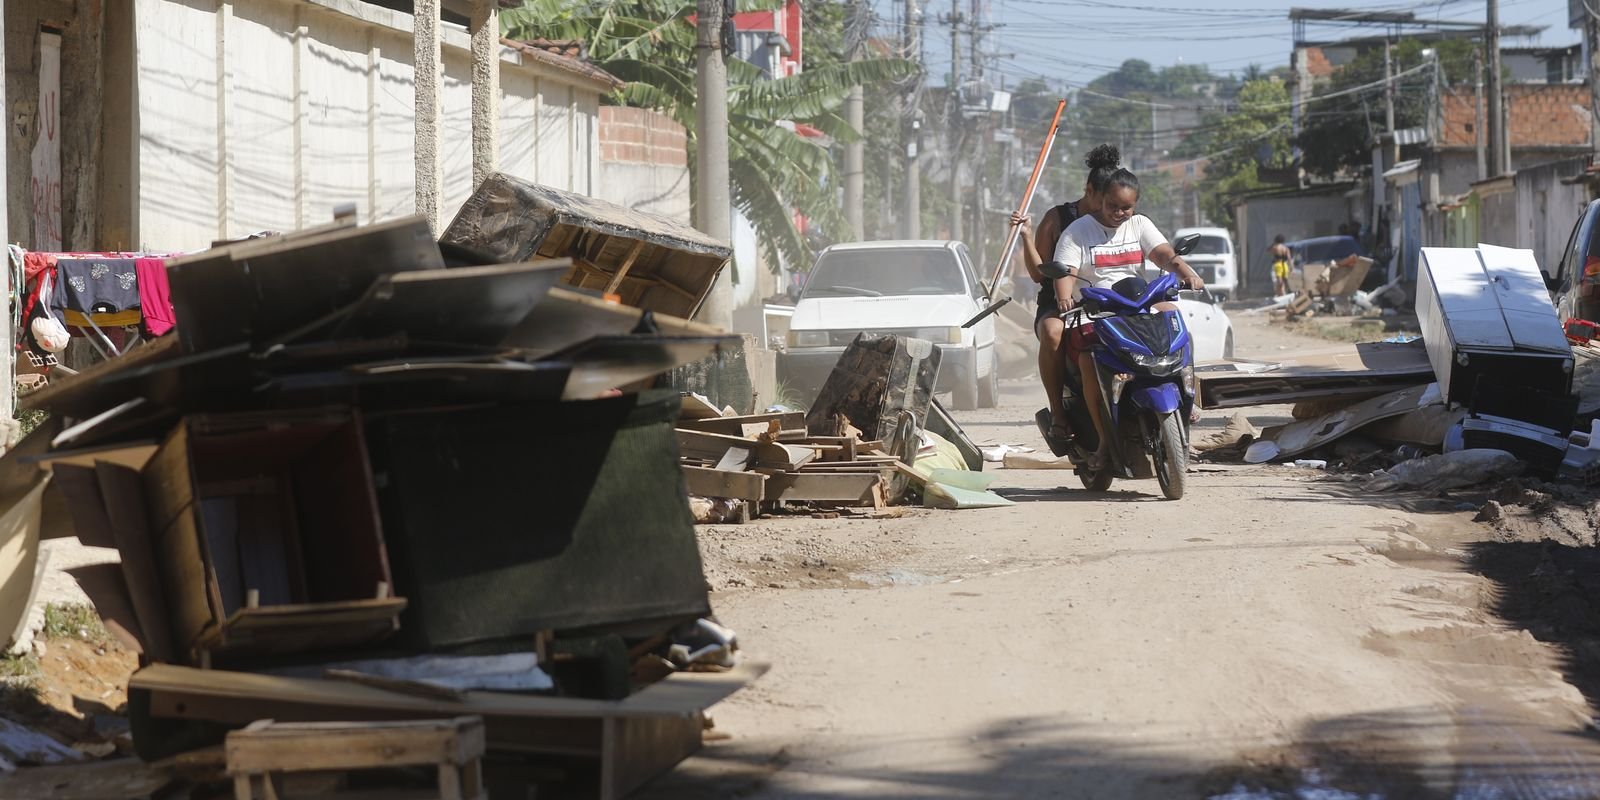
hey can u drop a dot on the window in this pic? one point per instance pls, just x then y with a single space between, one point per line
882 273
1211 246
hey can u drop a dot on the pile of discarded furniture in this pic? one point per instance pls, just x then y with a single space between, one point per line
856 447
372 476
1493 370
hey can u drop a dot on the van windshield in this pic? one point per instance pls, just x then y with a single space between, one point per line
882 273
1211 246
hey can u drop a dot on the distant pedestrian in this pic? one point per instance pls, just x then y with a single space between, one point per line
1279 252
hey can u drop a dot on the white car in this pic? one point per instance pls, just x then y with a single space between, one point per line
919 289
1214 258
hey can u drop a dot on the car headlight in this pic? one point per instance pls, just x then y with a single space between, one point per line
808 338
1158 363
945 335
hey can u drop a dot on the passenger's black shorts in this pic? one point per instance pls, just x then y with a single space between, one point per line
1047 308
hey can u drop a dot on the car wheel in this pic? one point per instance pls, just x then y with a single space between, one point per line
989 389
965 396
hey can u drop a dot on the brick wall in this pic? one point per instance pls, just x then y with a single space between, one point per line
1542 115
641 136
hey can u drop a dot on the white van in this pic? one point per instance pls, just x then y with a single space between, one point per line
919 289
1215 259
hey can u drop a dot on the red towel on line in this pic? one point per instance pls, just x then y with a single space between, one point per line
155 301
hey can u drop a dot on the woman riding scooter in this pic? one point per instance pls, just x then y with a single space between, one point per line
1047 323
1101 248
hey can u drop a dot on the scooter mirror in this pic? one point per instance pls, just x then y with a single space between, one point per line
1185 244
1055 270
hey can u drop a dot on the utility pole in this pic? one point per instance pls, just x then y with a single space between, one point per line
911 227
855 152
980 178
957 122
1479 116
1388 101
1591 35
1497 132
712 212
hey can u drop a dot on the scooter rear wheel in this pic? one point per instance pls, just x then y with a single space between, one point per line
1095 480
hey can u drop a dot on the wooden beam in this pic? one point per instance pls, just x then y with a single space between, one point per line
838 488
750 425
627 264
704 482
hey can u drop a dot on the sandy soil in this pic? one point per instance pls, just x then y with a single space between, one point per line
1277 633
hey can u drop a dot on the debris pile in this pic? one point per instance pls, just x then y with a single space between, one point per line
874 438
373 476
1486 393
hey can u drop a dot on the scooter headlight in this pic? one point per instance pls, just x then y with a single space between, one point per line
1158 364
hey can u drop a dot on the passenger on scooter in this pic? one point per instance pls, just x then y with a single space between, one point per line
1103 247
1047 320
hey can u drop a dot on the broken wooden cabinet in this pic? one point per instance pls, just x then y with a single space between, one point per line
267 535
508 521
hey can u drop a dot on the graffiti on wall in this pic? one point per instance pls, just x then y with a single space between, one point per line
46 194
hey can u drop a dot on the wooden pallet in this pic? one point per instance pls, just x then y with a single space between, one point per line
261 754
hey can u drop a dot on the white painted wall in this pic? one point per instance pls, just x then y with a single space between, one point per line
265 114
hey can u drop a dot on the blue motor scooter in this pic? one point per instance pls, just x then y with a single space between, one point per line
1145 363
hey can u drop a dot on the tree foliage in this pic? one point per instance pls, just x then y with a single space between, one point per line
1340 130
1254 136
773 170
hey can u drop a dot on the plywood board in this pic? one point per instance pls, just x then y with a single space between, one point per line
466 305
255 291
242 697
841 488
130 528
744 425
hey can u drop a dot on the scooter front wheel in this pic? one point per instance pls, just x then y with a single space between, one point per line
1171 456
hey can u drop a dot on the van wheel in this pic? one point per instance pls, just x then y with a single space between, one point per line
965 395
989 389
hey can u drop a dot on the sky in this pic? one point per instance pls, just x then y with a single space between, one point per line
1076 41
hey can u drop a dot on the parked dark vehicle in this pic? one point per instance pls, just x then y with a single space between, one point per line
1575 280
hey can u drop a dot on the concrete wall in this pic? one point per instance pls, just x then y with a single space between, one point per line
1300 216
78 132
1547 208
265 114
644 162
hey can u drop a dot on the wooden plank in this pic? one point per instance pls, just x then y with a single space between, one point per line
401 685
708 446
845 488
636 751
243 697
737 459
119 779
705 482
306 626
130 527
627 264
747 425
697 408
311 747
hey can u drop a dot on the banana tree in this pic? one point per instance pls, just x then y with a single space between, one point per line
774 171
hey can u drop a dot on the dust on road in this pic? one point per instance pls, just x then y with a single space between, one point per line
1274 634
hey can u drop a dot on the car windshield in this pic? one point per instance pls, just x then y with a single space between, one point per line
1330 248
1211 246
881 273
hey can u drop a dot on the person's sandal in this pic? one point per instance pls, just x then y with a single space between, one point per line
1059 431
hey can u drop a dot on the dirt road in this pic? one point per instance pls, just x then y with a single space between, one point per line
1274 634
